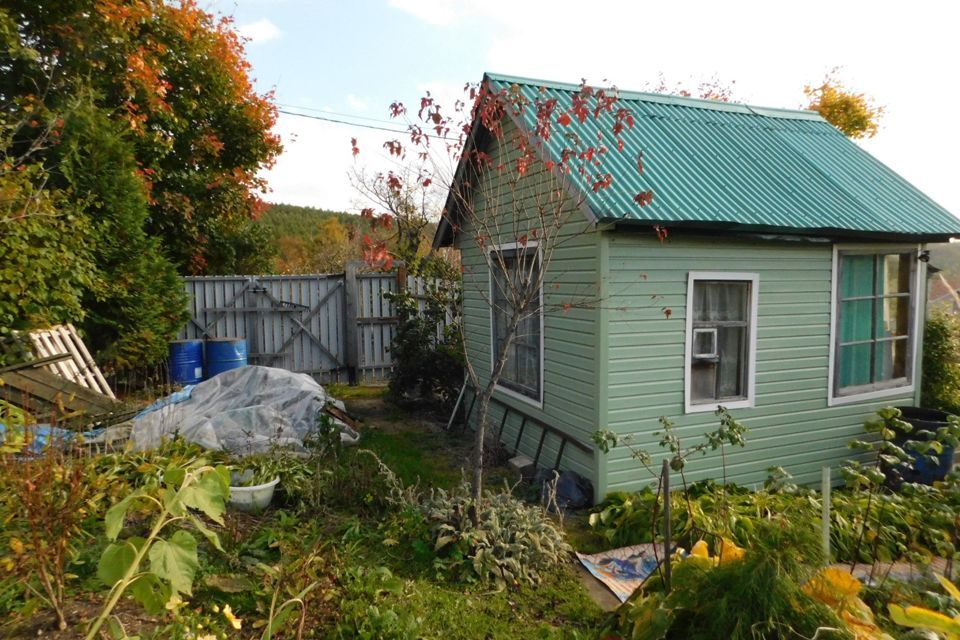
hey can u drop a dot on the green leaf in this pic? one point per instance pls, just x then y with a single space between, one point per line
209 493
175 560
173 476
150 592
115 515
211 536
116 560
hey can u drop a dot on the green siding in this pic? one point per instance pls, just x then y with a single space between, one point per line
791 425
570 338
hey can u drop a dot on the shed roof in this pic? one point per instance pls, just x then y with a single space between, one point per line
718 165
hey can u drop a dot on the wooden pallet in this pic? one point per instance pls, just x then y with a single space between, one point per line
52 398
80 367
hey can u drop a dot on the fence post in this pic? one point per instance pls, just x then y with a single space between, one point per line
667 533
350 318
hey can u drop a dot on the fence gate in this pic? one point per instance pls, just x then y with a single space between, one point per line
291 322
336 327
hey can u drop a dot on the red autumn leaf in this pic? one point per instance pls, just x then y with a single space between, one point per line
603 181
353 146
667 311
643 198
564 120
427 182
567 306
522 240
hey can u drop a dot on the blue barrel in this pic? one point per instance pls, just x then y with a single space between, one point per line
224 354
186 361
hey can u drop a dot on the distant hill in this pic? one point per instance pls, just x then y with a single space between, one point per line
293 220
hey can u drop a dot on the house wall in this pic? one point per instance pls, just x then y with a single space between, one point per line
791 424
569 336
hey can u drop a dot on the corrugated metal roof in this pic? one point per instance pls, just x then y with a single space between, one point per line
722 164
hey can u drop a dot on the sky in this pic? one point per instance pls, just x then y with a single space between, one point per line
348 60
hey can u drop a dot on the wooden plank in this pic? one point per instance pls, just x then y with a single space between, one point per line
85 370
88 360
51 389
69 367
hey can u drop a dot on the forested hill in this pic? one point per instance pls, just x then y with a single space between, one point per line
293 220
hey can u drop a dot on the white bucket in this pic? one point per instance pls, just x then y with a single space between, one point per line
251 499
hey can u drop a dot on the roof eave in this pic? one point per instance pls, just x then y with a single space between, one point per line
730 228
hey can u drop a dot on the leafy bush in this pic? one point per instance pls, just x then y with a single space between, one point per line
427 361
917 523
365 616
756 596
940 386
45 501
511 542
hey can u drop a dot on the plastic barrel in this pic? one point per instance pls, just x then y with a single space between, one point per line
925 423
186 361
224 354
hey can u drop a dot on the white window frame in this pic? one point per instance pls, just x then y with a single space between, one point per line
910 387
516 246
751 381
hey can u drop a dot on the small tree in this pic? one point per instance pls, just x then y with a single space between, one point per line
516 195
854 114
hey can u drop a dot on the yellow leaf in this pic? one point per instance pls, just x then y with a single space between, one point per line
950 588
700 549
729 551
920 618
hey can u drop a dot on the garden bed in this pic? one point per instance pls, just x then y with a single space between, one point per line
360 566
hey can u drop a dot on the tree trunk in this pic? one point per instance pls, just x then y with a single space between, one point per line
480 436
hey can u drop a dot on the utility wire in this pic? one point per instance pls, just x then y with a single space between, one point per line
335 113
360 124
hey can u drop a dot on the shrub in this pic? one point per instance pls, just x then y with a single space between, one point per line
940 386
511 542
45 502
427 362
756 596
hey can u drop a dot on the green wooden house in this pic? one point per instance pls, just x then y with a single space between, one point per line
790 289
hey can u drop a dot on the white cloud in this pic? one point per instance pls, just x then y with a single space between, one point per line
260 31
441 13
357 103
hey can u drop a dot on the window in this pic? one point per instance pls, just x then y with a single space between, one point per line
522 371
874 332
721 340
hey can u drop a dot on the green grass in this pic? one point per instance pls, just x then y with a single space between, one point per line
349 392
417 456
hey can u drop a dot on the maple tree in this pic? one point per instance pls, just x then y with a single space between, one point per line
176 77
510 199
135 125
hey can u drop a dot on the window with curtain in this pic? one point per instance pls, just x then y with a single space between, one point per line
874 337
521 373
720 341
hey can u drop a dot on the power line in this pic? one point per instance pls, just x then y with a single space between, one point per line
360 124
338 121
335 113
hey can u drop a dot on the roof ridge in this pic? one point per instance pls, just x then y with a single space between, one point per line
662 98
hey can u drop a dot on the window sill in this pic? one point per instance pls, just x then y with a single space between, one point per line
871 395
519 396
742 403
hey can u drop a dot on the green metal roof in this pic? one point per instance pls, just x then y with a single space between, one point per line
733 166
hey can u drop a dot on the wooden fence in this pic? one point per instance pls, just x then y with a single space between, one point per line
335 327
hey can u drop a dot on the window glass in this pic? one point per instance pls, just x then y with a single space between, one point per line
874 324
521 372
719 353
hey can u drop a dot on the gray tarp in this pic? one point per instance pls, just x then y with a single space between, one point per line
245 410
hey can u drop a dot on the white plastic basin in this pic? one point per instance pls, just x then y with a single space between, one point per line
251 499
